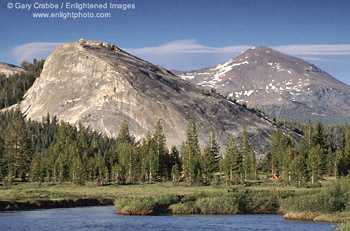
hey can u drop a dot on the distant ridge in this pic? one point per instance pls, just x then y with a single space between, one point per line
9 69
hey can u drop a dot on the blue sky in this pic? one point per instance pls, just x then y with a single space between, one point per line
185 35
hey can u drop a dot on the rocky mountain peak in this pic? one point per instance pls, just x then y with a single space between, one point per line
100 86
258 50
283 85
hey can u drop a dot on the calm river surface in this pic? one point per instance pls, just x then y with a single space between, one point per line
104 218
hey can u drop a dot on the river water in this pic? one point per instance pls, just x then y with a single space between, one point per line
105 218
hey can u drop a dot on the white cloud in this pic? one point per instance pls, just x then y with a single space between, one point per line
30 51
191 46
185 47
186 54
189 54
338 49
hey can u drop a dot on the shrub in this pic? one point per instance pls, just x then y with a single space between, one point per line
139 206
331 199
224 204
120 203
145 205
263 202
183 208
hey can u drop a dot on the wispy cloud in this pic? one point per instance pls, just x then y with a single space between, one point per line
30 51
339 49
191 46
185 47
189 54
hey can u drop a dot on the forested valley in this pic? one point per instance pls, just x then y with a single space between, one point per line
54 151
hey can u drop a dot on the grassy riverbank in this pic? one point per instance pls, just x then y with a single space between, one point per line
295 204
29 192
330 203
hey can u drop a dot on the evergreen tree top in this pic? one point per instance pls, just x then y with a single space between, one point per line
124 135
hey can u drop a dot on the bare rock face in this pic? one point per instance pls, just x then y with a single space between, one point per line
282 85
9 69
99 85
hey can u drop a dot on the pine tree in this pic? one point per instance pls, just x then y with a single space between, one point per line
307 141
84 142
149 159
245 149
232 163
119 174
337 169
298 168
314 162
175 173
144 149
214 149
112 156
124 135
319 134
127 156
211 156
100 169
278 146
175 157
37 168
61 168
207 164
152 163
319 138
330 162
114 174
78 171
253 164
17 147
288 164
191 154
164 165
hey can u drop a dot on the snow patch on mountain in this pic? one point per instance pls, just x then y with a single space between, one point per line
222 69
